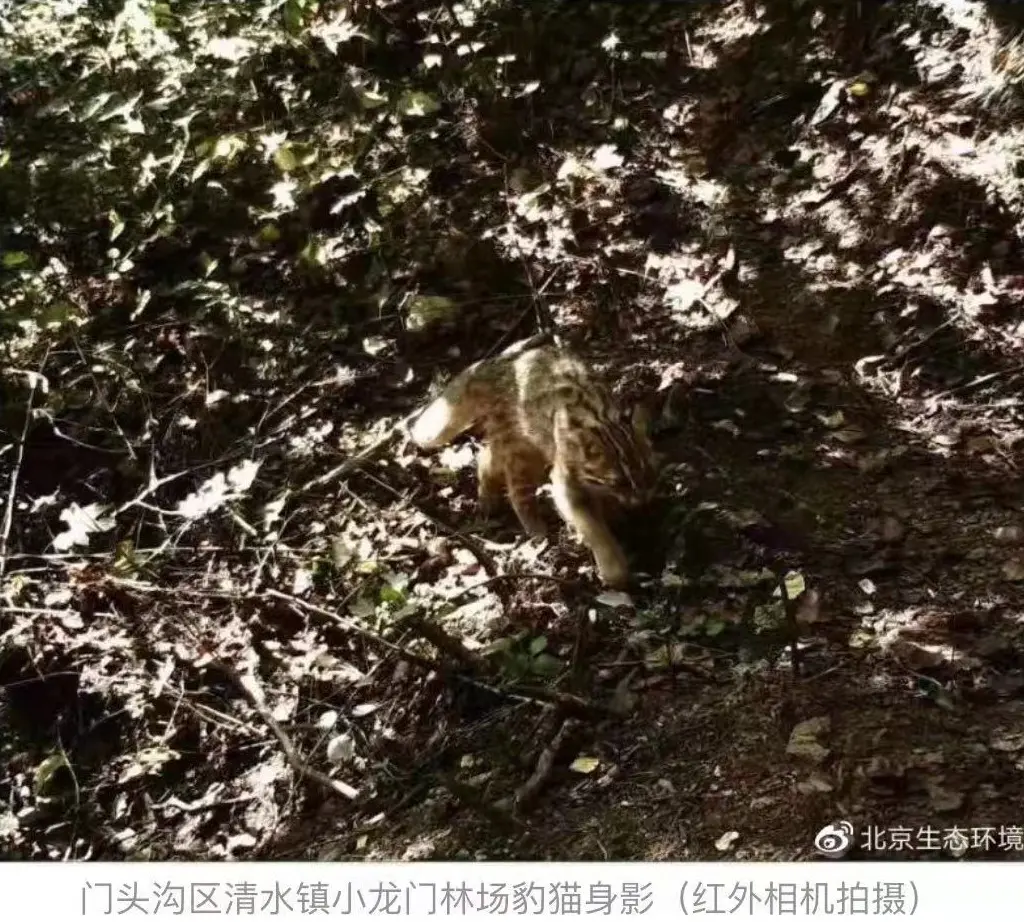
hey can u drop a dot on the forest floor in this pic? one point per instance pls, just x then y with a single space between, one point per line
805 235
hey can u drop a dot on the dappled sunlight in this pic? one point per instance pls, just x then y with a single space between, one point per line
243 248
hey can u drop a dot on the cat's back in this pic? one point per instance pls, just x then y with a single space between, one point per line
550 369
536 380
485 396
515 395
554 378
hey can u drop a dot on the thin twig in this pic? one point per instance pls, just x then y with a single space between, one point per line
570 704
12 492
526 694
350 624
368 454
103 399
474 546
792 625
472 798
508 577
252 691
374 451
444 641
548 761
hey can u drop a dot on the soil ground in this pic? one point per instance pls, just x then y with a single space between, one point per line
812 253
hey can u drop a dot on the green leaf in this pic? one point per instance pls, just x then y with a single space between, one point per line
285 158
689 626
268 234
125 562
226 147
46 770
538 645
116 225
14 259
713 627
322 567
56 314
294 14
426 310
162 16
546 665
312 254
794 584
415 102
584 765
392 595
744 579
371 99
769 617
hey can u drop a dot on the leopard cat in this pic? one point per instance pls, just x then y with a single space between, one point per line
542 414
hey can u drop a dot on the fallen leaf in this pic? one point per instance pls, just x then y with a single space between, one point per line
614 599
341 749
892 529
584 765
815 783
725 841
623 700
1011 743
682 295
914 655
803 741
240 840
606 157
1009 534
943 800
1013 570
425 311
809 610
829 103
849 435
981 444
961 147
833 420
795 584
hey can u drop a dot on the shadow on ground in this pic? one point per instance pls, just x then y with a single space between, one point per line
839 401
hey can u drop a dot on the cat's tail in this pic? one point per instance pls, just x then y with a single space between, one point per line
449 415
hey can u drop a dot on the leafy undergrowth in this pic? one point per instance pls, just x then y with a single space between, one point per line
242 618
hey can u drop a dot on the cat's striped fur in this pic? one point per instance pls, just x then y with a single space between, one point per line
541 412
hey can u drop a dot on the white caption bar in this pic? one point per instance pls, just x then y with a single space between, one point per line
934 892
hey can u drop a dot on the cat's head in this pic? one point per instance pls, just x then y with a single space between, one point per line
610 452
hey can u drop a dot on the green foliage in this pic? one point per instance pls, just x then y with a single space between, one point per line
523 657
176 176
177 149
